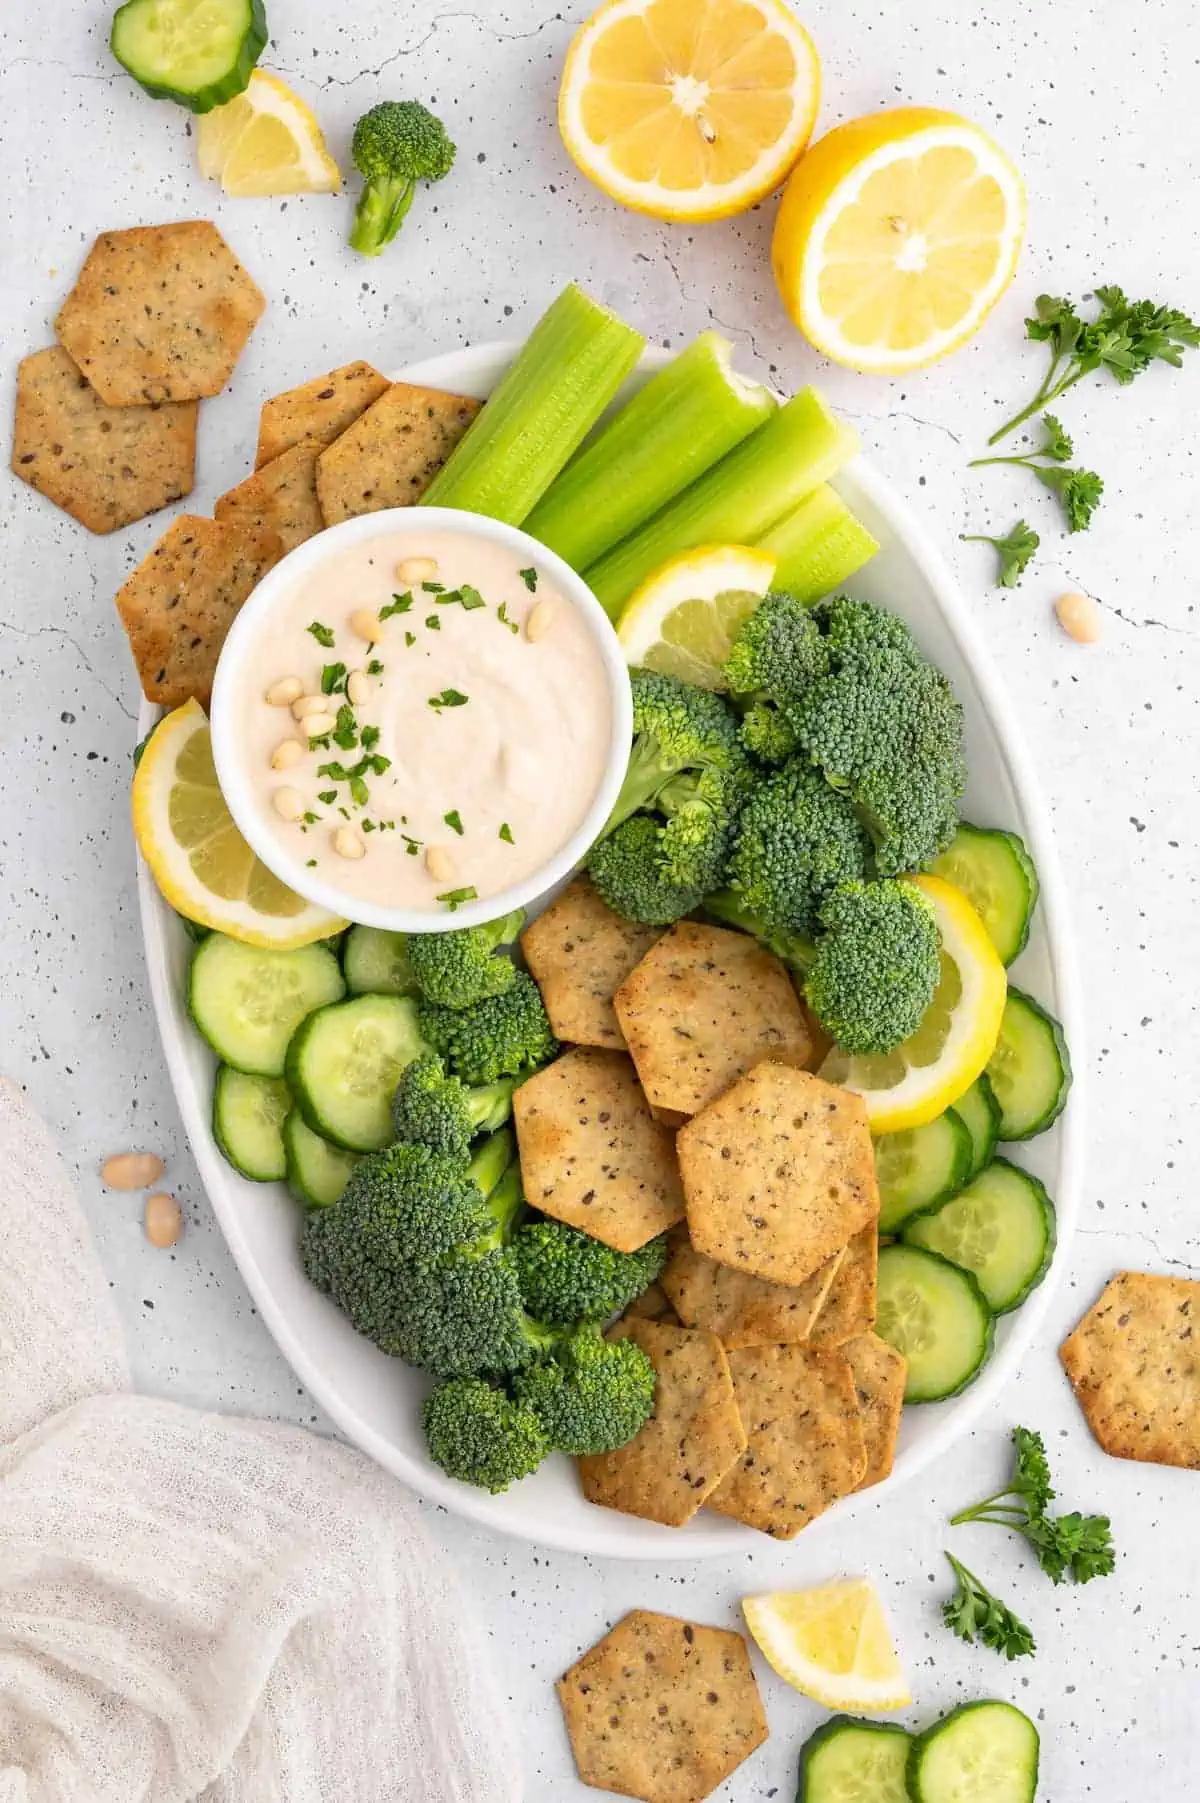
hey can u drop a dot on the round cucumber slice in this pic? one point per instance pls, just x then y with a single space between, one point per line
317 1172
998 877
920 1167
850 1761
1002 1229
198 55
935 1314
1030 1069
247 1120
376 963
344 1064
248 1001
983 1752
979 1112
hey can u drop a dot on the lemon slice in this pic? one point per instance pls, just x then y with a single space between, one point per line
833 1643
689 109
897 235
927 1074
265 142
683 619
201 863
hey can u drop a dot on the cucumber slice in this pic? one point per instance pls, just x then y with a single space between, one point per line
344 1064
247 1121
376 963
998 877
936 1315
1030 1069
248 1002
979 1112
852 1761
1002 1229
980 1753
317 1172
921 1166
198 55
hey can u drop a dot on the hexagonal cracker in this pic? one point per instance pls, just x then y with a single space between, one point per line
691 1440
159 313
390 454
848 1308
662 1709
105 466
580 953
702 1008
591 1153
740 1309
319 410
281 497
778 1173
1134 1364
879 1373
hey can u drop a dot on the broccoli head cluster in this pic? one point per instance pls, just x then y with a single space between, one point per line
507 1035
461 967
875 965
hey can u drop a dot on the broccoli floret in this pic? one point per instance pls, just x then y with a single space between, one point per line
593 1395
566 1276
396 145
476 1434
776 655
432 1109
410 1204
876 965
506 1035
627 874
850 626
797 839
335 1260
461 967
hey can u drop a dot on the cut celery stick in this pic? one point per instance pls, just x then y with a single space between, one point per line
818 547
540 411
735 502
682 422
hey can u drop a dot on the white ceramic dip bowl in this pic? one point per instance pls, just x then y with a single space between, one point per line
242 761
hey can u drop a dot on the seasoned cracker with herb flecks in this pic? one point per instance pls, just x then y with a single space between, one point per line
1134 1364
390 454
280 497
580 953
319 410
740 1309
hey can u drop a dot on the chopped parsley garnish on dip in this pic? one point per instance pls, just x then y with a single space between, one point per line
522 728
530 578
434 588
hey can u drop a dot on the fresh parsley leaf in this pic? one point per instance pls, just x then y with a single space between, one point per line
502 615
454 821
322 634
369 737
454 898
976 1615
1014 551
374 668
530 578
1074 1545
449 698
470 598
1078 492
358 791
1055 443
345 732
335 771
506 833
368 826
434 588
333 679
433 623
410 639
399 604
328 796
309 818
411 846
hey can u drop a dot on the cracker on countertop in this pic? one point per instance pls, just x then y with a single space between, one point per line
693 1437
390 454
592 1155
662 1709
805 1440
740 1309
580 953
159 313
848 1310
702 1008
778 1173
281 497
180 602
879 1375
319 410
1134 1364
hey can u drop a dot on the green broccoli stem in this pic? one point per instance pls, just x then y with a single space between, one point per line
644 780
792 949
490 1105
492 1161
382 208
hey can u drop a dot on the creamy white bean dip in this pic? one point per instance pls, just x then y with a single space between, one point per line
423 719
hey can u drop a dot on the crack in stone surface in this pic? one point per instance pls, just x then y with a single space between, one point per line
24 632
1146 1239
418 44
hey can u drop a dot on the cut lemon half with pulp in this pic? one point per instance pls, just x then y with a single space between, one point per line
833 1643
266 141
951 1047
201 863
689 109
897 235
683 619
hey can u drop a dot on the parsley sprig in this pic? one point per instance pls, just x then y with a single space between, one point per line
1078 490
1124 338
1014 551
1074 1545
976 1615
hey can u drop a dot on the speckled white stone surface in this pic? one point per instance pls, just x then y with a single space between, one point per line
1098 102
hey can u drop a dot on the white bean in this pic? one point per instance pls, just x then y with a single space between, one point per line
358 687
1079 618
287 754
416 569
288 803
366 625
439 863
131 1170
309 704
349 844
541 619
284 692
163 1220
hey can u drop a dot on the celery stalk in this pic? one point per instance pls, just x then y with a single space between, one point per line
735 502
540 412
682 422
818 547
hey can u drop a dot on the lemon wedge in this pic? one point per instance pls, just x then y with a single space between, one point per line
683 619
201 863
896 236
950 1049
832 1643
689 109
266 141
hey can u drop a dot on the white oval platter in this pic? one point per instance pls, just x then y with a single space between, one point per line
373 1400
